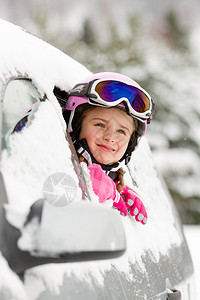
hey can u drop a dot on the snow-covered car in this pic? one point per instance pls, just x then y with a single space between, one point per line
56 240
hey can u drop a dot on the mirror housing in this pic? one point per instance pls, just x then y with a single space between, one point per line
78 232
81 227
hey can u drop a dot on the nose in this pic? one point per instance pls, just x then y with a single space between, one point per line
109 135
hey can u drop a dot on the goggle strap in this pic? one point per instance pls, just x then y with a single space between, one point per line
80 89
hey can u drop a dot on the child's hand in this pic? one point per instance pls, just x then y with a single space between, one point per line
104 187
134 204
120 204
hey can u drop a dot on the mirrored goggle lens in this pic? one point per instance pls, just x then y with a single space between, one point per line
111 91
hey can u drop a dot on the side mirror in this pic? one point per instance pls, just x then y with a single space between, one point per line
79 229
78 232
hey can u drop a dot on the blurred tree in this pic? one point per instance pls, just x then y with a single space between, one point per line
88 36
175 32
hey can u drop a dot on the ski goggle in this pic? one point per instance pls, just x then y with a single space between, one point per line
109 93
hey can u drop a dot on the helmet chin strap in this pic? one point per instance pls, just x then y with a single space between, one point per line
70 121
82 148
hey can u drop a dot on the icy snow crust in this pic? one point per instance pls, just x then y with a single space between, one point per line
47 67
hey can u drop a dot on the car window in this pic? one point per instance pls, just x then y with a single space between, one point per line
20 101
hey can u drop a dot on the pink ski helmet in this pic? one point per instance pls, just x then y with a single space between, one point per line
109 89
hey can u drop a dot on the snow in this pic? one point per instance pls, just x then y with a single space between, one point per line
55 276
30 52
192 234
186 164
48 66
14 163
10 291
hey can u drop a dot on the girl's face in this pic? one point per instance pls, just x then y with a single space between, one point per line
107 132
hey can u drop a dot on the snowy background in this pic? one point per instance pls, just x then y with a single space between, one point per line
158 45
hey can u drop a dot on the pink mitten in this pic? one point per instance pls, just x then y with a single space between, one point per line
104 187
134 204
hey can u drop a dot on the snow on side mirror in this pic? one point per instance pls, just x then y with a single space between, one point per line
79 231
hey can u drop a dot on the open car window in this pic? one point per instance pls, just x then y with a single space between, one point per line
20 101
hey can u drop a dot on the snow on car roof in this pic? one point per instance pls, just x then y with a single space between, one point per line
22 53
25 53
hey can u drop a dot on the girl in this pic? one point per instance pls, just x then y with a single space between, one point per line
106 116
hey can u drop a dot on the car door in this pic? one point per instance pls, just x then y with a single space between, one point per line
45 206
156 264
31 168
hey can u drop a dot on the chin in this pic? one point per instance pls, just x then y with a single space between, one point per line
104 161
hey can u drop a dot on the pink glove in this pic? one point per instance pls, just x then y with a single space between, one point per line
104 187
134 204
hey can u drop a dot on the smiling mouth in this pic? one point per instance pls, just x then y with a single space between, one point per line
106 148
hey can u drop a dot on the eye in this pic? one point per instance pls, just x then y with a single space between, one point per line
100 125
121 131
